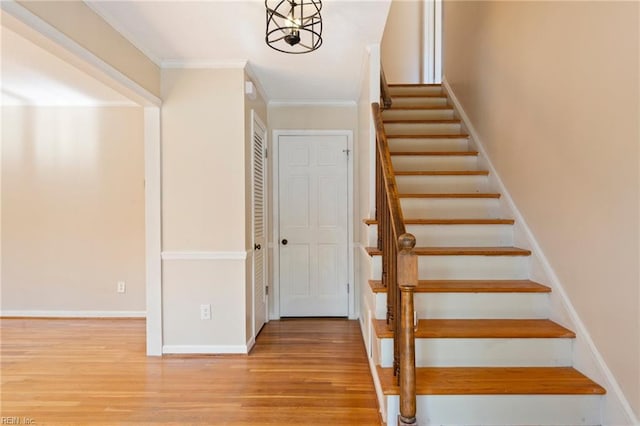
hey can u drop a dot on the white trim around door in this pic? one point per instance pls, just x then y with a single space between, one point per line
432 41
274 296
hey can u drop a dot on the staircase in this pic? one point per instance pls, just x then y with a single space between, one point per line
486 352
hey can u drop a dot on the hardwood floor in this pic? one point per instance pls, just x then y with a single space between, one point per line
95 372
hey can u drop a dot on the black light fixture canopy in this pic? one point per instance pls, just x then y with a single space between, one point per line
294 26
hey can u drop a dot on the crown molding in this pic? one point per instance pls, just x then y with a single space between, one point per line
312 102
201 64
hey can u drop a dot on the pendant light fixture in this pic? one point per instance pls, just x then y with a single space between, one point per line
294 26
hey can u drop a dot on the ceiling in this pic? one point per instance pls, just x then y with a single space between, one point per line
228 32
33 76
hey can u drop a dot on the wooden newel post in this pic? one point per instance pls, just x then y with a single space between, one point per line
407 281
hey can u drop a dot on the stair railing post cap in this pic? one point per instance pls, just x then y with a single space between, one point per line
406 242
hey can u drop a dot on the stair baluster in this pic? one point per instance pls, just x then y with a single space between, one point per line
385 95
399 272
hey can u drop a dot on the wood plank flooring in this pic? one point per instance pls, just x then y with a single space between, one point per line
95 372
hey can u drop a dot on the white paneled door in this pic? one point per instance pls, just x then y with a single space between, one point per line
313 225
259 224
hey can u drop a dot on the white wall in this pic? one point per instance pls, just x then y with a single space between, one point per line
313 117
552 90
206 209
203 207
401 49
73 210
203 156
365 177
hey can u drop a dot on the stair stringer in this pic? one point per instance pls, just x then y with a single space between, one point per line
367 316
615 409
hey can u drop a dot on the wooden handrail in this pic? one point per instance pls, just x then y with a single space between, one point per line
384 90
399 272
384 156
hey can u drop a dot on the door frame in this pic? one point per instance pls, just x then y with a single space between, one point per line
274 296
431 67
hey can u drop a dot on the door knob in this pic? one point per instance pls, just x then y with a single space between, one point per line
284 242
257 247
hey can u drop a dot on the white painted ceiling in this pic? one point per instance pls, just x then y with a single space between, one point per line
228 32
33 76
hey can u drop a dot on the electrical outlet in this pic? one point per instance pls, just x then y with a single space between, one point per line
122 287
205 312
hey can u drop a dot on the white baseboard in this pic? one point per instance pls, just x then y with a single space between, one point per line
73 314
374 375
205 349
250 344
616 408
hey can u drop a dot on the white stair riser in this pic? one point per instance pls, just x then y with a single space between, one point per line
372 235
450 208
455 235
441 184
418 101
501 410
415 90
466 267
474 305
424 145
545 352
381 306
418 114
422 128
426 162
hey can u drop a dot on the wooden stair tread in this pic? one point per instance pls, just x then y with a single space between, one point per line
415 85
452 195
437 153
422 107
482 329
419 121
461 251
418 95
449 222
443 173
459 221
446 136
494 381
470 286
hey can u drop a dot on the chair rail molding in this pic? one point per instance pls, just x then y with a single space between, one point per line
206 255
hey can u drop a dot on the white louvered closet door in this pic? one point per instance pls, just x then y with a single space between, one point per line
259 133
